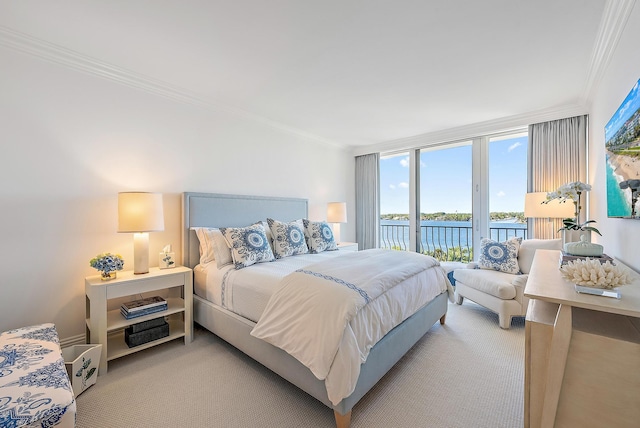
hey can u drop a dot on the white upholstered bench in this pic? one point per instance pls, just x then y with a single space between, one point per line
35 390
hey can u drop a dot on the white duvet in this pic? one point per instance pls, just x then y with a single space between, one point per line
330 314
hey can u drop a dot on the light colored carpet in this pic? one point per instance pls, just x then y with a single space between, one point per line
467 373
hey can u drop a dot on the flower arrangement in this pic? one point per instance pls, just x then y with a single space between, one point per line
592 273
571 192
107 263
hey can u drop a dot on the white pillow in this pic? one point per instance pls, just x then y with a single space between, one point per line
319 236
213 246
249 245
288 238
500 256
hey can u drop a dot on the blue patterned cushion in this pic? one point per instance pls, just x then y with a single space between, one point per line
249 245
319 236
500 256
288 238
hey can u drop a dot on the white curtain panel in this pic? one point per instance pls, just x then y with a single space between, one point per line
557 153
367 200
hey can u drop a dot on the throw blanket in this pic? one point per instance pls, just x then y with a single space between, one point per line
310 313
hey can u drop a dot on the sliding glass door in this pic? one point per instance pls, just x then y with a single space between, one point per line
508 186
445 202
394 201
443 199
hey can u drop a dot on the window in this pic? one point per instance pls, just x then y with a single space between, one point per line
449 196
394 201
446 201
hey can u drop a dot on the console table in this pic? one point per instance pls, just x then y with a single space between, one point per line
582 352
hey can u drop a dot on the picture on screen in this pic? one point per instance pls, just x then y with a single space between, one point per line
622 149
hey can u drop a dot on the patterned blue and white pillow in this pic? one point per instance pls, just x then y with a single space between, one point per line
249 245
288 238
319 236
500 256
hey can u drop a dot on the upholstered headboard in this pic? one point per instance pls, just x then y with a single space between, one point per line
219 210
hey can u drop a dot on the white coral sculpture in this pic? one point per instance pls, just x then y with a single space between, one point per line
592 273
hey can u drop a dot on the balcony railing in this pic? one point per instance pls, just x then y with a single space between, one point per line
445 243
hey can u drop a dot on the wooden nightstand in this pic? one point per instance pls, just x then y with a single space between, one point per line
105 324
348 246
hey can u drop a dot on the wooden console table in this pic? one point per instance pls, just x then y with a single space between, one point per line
582 352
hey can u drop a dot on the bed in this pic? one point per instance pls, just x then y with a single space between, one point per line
220 210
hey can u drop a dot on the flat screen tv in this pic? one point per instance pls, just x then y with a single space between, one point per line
622 149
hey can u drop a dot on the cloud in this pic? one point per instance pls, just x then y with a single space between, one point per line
501 194
403 185
404 162
392 186
513 146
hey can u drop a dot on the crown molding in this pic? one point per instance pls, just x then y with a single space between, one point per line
60 55
614 19
505 124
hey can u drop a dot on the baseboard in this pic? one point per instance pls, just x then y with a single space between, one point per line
74 340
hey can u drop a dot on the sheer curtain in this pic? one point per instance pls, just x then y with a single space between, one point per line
367 200
557 153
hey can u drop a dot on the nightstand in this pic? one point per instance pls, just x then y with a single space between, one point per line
105 324
348 246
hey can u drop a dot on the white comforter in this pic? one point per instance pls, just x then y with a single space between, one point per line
330 314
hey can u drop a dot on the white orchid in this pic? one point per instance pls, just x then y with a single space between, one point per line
571 192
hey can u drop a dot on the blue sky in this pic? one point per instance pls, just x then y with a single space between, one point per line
445 179
626 109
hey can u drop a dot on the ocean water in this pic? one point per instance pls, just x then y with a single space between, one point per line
617 203
446 234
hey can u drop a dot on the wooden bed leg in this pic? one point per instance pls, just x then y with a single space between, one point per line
443 318
343 421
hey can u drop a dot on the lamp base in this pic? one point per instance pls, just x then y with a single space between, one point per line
140 253
336 232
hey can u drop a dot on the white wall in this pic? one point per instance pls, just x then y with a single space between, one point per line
620 236
71 141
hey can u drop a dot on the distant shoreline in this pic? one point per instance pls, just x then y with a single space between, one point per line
504 217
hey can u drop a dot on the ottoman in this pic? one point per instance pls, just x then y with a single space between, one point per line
35 390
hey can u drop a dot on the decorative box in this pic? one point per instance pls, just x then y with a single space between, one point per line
135 339
167 260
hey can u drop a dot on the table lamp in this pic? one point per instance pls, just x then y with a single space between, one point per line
534 208
336 214
140 213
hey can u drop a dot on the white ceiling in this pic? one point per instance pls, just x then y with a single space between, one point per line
355 73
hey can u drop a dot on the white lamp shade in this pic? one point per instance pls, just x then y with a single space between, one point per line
337 212
140 212
533 207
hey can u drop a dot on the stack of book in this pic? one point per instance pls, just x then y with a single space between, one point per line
141 307
566 258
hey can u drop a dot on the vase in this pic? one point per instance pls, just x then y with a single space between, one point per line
574 236
106 276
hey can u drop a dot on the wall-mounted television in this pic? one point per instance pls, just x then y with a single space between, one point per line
622 150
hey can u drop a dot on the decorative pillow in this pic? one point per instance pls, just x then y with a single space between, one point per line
249 245
213 246
500 256
268 232
288 238
319 236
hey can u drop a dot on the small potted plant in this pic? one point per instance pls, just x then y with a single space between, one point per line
107 264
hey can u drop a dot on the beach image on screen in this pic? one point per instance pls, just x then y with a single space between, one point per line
622 148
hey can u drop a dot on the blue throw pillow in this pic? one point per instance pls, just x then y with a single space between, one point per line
288 238
249 245
319 236
500 256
